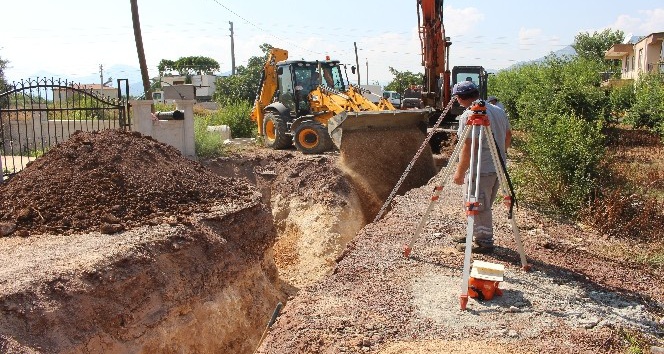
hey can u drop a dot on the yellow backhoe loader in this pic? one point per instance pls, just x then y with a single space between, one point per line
307 103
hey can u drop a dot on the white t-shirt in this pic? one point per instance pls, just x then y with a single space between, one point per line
499 125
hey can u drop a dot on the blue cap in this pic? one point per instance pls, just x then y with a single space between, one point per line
464 87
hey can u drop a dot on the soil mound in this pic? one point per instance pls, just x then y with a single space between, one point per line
110 181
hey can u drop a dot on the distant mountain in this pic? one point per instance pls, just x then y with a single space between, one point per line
565 52
115 72
118 71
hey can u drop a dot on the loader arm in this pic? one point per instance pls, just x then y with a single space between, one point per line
385 105
268 85
355 94
327 100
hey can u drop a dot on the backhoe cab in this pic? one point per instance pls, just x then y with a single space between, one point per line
296 115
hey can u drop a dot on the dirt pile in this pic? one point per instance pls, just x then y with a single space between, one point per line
110 181
192 271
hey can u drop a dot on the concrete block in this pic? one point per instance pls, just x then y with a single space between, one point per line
223 130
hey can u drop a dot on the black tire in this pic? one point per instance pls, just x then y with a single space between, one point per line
275 131
312 138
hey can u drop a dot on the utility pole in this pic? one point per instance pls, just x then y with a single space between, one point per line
367 59
101 77
232 50
139 48
357 64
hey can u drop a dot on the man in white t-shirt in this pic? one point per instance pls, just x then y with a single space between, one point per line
467 94
494 101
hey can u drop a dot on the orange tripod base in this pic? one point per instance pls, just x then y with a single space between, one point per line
464 302
406 251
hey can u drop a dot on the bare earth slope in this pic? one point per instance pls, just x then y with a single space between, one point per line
194 269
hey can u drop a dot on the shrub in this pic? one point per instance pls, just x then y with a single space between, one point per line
236 116
164 107
208 144
621 99
562 162
556 85
648 108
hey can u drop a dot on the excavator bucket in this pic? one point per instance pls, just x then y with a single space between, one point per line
376 148
367 121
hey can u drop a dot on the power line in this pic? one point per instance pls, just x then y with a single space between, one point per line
262 30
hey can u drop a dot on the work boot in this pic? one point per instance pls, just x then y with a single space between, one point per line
475 248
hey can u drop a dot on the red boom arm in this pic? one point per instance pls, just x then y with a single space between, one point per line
434 51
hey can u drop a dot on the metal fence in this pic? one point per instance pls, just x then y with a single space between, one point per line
36 114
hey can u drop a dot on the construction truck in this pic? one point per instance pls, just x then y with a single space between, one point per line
394 98
412 97
308 104
438 79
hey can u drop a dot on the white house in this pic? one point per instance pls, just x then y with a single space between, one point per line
204 85
107 92
643 56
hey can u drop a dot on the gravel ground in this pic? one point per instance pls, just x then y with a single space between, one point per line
574 300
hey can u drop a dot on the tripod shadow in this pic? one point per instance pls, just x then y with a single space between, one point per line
511 299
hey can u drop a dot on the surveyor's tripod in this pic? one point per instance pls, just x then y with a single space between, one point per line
477 127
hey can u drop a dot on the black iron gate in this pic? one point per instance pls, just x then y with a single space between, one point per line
36 114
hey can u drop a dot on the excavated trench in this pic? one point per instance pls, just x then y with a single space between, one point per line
115 243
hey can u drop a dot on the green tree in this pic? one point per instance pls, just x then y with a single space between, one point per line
165 65
242 86
648 108
193 65
403 79
593 46
3 80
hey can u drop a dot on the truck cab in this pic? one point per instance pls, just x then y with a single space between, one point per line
477 75
394 98
412 98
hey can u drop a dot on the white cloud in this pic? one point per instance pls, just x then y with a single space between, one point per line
462 20
529 36
653 21
648 21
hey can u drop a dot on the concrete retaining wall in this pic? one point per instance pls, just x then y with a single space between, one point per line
177 133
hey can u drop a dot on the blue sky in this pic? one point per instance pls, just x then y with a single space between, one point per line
71 38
